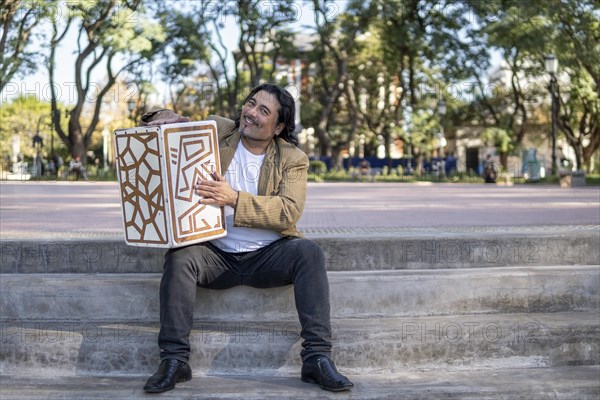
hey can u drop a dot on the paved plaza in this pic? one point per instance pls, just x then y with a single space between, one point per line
92 209
438 291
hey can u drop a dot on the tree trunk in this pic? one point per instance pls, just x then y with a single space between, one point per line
588 152
418 166
504 160
77 145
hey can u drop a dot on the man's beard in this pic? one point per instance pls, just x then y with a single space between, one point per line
251 138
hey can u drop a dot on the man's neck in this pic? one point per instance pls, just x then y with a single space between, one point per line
256 147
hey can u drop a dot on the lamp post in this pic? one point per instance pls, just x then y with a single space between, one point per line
105 136
407 127
442 113
442 139
551 64
54 117
38 142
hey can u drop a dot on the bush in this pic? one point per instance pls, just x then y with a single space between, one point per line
317 167
592 179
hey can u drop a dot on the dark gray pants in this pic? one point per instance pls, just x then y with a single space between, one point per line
299 262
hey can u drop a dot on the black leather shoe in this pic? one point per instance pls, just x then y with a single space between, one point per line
169 372
322 371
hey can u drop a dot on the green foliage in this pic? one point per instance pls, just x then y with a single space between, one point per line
26 116
424 131
376 71
349 176
317 167
18 20
106 31
498 137
187 43
527 31
592 179
122 35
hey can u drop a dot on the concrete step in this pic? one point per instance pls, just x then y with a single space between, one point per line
573 383
369 251
130 298
373 345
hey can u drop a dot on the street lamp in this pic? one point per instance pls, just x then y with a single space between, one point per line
442 113
442 139
38 142
105 136
551 64
407 127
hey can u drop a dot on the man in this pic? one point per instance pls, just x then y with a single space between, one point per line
489 170
263 191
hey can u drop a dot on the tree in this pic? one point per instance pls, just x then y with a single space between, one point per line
525 32
579 118
424 127
106 30
373 92
403 67
185 51
261 34
575 40
208 74
507 102
336 47
17 22
26 116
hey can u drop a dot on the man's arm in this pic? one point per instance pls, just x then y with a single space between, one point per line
277 211
217 192
161 116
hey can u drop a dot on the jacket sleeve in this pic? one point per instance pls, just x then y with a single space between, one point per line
280 209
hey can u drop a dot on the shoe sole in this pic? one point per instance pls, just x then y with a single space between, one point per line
180 380
308 379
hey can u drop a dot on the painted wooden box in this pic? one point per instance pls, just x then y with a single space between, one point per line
157 168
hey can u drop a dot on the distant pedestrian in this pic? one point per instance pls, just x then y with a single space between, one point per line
450 164
97 166
490 173
364 169
76 167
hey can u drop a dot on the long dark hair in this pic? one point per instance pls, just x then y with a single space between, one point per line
287 111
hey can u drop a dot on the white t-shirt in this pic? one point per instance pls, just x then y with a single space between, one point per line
243 174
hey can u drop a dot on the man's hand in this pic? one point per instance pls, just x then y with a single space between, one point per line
161 117
217 192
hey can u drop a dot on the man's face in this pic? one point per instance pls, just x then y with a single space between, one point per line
259 117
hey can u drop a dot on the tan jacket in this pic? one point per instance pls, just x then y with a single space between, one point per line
281 186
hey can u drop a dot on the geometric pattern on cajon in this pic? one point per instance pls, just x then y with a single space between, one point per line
189 160
141 184
158 167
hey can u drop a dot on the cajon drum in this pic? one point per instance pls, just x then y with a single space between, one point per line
157 169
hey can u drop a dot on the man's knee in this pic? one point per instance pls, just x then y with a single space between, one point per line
180 260
177 256
309 253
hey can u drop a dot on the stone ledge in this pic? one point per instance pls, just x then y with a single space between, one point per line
374 345
567 383
426 250
134 297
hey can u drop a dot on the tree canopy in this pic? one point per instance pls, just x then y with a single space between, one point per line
373 71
